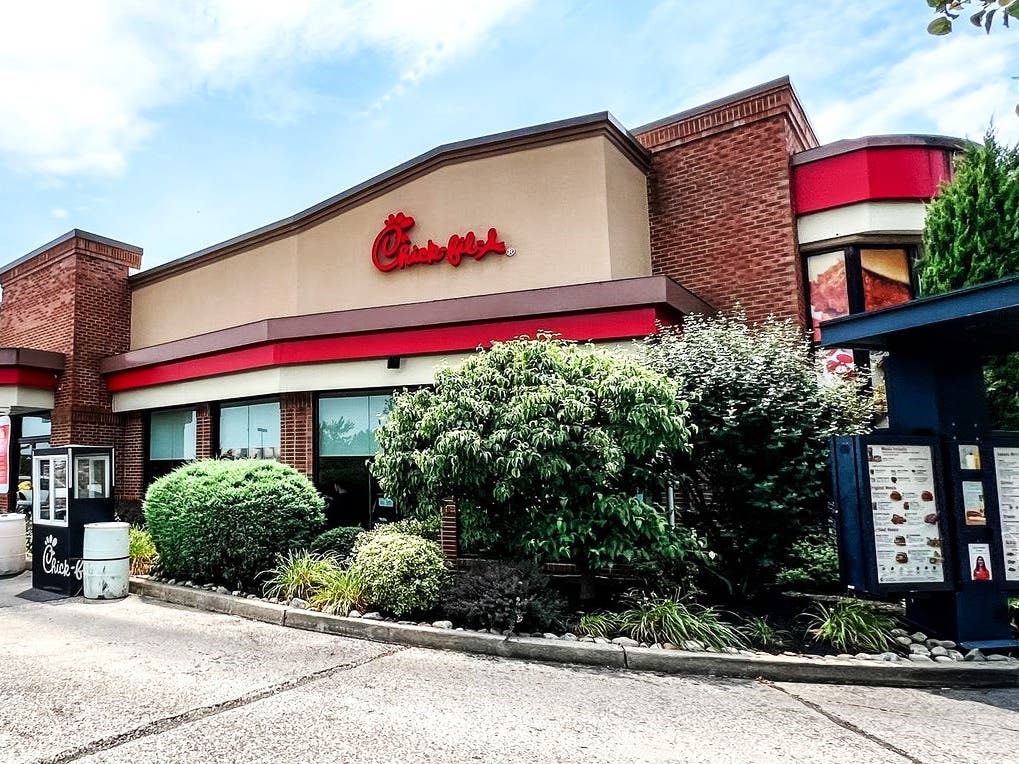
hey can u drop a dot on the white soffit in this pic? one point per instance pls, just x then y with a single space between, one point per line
863 218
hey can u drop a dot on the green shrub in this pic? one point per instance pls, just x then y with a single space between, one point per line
426 527
603 625
140 548
402 573
813 564
339 592
762 634
653 618
502 595
227 521
851 625
299 574
337 541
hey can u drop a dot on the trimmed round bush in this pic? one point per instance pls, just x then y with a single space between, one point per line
337 541
402 573
226 521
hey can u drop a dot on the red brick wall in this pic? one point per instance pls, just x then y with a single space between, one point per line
130 458
720 202
296 431
203 432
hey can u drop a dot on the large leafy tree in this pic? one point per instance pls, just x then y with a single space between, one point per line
971 236
552 450
755 479
981 13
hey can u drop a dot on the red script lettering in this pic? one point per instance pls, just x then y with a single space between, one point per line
393 249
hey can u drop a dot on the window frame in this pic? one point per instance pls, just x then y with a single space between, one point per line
216 412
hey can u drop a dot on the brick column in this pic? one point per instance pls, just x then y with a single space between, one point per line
130 458
296 429
449 530
204 447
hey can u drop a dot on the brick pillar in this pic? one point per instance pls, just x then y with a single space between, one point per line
130 457
449 530
296 430
204 447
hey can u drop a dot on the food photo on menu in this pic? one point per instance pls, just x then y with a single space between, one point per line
907 537
973 502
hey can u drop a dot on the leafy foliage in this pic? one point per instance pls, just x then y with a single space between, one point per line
762 634
340 591
971 236
602 625
299 574
140 548
814 564
755 481
402 573
337 541
652 618
227 521
503 595
549 447
947 11
851 625
426 527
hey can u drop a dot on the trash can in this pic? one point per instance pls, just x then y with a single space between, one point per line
12 544
105 563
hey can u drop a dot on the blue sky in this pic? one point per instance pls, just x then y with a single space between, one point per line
175 126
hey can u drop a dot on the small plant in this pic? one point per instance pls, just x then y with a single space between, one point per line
337 541
815 565
503 595
299 574
339 592
761 633
402 573
141 551
653 618
602 625
851 624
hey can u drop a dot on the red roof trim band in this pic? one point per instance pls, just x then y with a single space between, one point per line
870 174
27 377
601 325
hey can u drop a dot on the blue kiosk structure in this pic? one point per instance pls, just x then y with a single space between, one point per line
929 507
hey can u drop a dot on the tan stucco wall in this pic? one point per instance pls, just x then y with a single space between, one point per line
574 212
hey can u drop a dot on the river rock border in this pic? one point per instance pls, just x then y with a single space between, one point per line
777 668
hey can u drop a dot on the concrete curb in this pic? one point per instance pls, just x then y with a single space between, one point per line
775 668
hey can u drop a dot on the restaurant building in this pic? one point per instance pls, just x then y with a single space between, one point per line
286 342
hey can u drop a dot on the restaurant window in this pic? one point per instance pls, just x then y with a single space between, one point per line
346 443
250 430
35 434
172 440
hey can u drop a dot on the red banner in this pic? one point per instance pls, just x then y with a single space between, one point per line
393 249
5 446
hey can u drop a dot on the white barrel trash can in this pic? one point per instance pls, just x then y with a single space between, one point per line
13 527
105 564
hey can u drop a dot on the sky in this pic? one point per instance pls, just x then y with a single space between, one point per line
177 125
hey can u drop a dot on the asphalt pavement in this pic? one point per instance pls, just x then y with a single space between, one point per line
137 680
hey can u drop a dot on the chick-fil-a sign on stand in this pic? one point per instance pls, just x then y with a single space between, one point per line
393 249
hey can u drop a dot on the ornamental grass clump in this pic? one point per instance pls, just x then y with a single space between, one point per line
299 574
851 625
339 592
402 573
653 618
141 551
603 625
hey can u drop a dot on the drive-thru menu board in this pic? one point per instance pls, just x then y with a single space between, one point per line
907 537
1006 468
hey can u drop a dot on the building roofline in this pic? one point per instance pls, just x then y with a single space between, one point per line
850 145
575 128
74 233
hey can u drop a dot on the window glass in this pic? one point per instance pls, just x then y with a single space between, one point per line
250 431
172 435
885 277
346 424
35 426
43 497
91 477
829 296
60 488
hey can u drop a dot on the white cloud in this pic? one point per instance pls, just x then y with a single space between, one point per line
81 83
58 212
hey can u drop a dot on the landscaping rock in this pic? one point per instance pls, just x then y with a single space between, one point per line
209 587
373 616
571 637
975 655
603 641
505 632
251 597
172 582
423 623
222 590
918 636
442 624
354 614
731 650
189 583
899 633
669 646
589 639
693 646
237 593
920 658
298 603
919 650
944 659
625 642
947 644
904 641
997 657
865 656
939 652
550 635
889 657
843 656
955 655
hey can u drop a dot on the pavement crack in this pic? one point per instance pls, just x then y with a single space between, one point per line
845 724
167 723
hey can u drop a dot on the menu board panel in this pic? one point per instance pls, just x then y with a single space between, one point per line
907 537
1006 468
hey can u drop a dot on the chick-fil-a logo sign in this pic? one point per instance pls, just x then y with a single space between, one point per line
55 566
393 249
